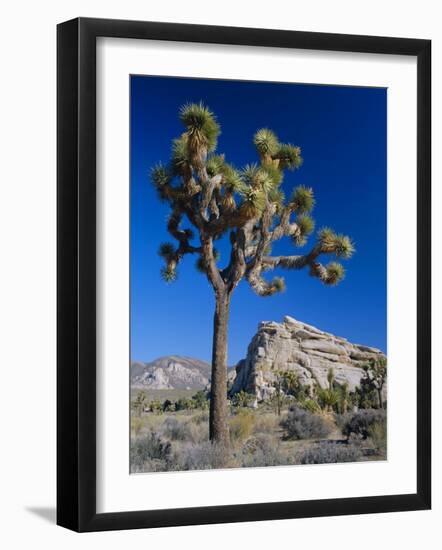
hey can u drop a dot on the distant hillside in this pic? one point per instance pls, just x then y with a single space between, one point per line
170 372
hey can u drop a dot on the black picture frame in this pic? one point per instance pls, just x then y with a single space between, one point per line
76 274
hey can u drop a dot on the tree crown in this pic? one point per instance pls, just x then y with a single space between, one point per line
248 204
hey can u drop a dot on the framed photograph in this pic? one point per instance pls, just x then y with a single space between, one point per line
243 274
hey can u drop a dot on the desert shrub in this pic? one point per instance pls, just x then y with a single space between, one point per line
156 407
200 418
203 456
241 426
310 405
184 404
265 423
342 419
359 423
139 403
175 430
150 453
377 433
168 406
366 394
327 452
136 423
278 400
263 450
328 398
242 399
200 400
184 431
301 424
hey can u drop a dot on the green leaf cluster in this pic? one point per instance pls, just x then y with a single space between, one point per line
201 124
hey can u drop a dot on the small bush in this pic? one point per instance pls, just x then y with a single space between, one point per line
241 426
342 419
156 407
200 418
184 431
184 404
265 424
301 424
175 430
358 424
136 423
200 400
242 399
263 450
310 405
377 433
168 406
203 456
150 453
328 452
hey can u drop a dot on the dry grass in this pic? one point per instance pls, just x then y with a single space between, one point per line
257 440
241 426
266 423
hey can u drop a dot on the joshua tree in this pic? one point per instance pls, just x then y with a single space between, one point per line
278 394
376 374
140 402
344 398
249 207
242 399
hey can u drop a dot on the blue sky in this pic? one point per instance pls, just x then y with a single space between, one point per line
342 134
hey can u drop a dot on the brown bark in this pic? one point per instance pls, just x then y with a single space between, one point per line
381 401
218 426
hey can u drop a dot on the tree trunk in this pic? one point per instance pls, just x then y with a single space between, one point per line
218 426
381 404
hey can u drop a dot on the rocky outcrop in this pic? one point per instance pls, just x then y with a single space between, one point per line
171 372
310 352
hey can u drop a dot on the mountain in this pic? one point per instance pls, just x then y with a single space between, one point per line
170 372
310 352
290 345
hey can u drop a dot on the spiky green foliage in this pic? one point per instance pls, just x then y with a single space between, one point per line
302 200
231 178
327 398
215 165
331 242
266 142
160 175
255 177
168 274
201 124
335 273
279 284
253 203
344 247
306 224
275 174
277 197
180 157
289 156
326 236
166 250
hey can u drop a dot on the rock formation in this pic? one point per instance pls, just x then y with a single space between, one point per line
171 372
293 345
